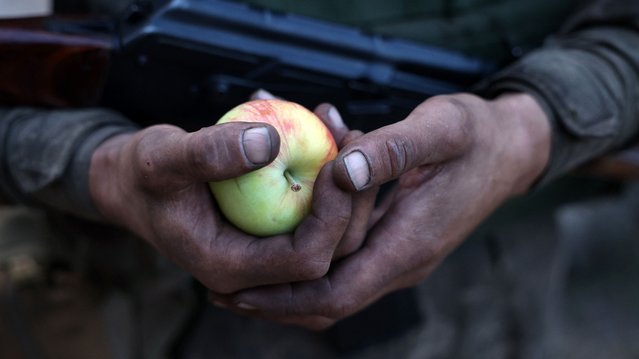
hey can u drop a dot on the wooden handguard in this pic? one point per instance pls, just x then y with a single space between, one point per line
622 166
50 69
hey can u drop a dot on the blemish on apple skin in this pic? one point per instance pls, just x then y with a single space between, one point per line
296 187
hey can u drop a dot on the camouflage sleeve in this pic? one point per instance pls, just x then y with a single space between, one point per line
45 155
587 79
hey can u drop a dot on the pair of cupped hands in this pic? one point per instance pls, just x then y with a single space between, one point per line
455 159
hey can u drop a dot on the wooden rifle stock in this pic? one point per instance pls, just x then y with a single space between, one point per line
43 68
622 166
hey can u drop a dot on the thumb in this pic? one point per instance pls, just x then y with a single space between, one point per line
431 134
211 154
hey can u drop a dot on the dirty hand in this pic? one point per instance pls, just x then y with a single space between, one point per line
456 158
154 183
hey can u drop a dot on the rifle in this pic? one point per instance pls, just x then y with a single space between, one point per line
187 62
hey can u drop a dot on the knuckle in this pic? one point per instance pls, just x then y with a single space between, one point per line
457 121
219 281
341 219
326 227
312 269
217 152
220 151
201 153
349 245
452 105
350 137
342 307
147 157
400 155
354 237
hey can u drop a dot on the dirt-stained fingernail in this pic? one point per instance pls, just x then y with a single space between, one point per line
219 304
358 169
335 118
262 94
245 306
257 145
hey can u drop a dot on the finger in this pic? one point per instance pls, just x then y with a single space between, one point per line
311 322
304 255
169 155
352 285
434 133
353 238
383 205
363 205
333 120
392 258
262 94
350 137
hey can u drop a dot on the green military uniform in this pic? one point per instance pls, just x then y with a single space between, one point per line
545 277
494 30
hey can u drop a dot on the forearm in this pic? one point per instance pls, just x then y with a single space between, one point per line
44 155
587 81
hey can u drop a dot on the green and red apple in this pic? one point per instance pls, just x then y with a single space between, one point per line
276 198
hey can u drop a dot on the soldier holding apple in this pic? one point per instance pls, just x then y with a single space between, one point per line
456 159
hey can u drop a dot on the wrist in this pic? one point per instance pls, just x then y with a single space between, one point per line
105 178
527 138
